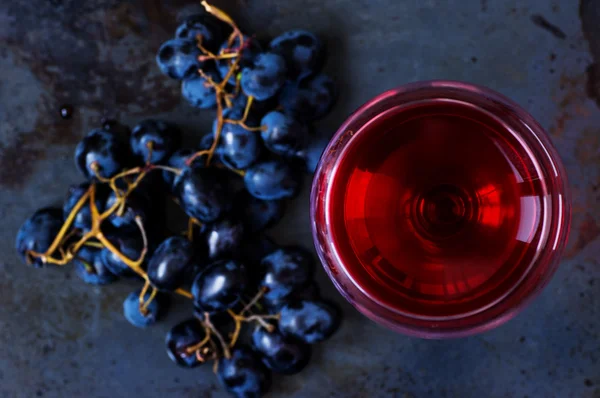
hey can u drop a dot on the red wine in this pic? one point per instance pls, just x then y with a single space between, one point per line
436 208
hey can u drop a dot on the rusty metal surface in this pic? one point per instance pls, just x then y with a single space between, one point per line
60 338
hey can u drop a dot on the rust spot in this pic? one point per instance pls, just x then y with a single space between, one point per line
588 231
99 58
587 150
155 13
570 98
121 20
589 13
18 159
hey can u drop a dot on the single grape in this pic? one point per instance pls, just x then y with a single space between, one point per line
310 292
198 92
89 267
265 77
178 58
310 321
243 375
129 242
37 234
137 204
257 214
103 150
254 248
310 99
272 179
303 52
131 310
168 265
286 270
203 193
312 154
220 286
279 353
238 147
155 140
83 218
223 237
204 25
250 50
177 161
284 135
180 338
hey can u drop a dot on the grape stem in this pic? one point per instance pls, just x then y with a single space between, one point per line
239 318
215 331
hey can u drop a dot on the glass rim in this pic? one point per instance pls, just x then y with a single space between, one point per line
499 107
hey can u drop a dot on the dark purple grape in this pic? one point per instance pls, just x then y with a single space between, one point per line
182 336
131 310
37 234
203 194
303 52
170 262
89 267
101 149
238 147
310 99
279 353
310 321
220 286
254 248
265 77
163 137
243 375
223 238
272 179
284 135
204 25
257 214
287 270
178 58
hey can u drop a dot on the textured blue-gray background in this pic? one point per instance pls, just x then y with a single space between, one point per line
60 338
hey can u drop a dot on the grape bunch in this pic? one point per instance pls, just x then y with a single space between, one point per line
255 307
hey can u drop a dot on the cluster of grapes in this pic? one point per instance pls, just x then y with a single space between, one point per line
114 224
